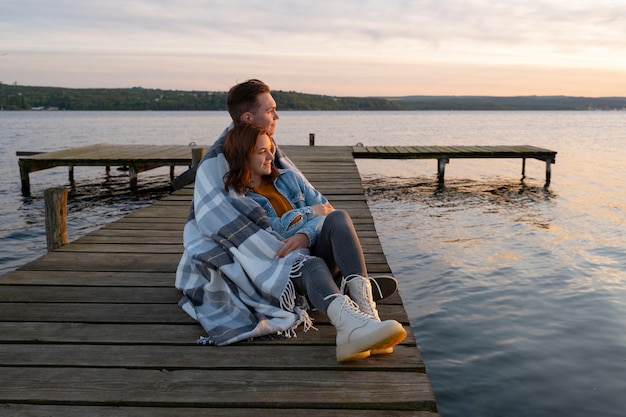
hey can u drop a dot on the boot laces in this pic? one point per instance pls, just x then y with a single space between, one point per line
348 305
366 289
363 297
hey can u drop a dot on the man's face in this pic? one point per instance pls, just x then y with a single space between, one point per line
265 116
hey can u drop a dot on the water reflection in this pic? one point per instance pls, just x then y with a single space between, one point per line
512 291
524 201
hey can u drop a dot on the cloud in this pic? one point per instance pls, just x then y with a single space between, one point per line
364 22
189 39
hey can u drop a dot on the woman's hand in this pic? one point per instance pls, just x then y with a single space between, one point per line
297 241
322 209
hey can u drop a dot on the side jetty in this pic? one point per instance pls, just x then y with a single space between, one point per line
93 328
443 154
139 158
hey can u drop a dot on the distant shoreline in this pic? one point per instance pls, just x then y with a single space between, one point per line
17 97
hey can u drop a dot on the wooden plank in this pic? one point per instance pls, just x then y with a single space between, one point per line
94 313
402 149
50 294
86 294
96 278
159 356
118 262
80 333
116 247
35 410
115 312
139 387
164 334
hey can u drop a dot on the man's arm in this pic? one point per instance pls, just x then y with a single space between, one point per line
189 176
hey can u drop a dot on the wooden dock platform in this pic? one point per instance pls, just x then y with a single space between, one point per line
94 329
140 158
137 158
443 154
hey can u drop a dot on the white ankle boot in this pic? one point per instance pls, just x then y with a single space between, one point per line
360 291
359 333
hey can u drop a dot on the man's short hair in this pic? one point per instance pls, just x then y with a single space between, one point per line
242 98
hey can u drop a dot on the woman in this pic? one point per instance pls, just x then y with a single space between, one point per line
304 218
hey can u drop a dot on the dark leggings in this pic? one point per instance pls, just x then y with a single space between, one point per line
317 283
338 253
338 245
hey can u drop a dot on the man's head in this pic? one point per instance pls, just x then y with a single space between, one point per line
250 102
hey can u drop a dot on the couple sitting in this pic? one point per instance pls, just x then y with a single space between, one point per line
260 241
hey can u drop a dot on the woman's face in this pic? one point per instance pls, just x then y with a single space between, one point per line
260 160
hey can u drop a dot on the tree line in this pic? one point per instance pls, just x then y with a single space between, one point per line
16 97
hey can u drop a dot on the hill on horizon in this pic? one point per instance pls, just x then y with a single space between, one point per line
17 97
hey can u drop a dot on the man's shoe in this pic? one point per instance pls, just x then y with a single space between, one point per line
383 286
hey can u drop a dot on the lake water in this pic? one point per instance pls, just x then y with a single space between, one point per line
516 292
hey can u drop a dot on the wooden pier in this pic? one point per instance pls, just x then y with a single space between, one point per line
139 158
94 329
443 154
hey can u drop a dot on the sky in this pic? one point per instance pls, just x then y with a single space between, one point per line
332 47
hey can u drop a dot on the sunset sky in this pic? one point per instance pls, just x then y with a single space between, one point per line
332 47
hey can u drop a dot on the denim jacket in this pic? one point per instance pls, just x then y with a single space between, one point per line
301 194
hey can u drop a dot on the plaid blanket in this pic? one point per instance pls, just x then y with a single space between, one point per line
231 281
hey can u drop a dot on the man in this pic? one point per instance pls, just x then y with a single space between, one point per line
249 102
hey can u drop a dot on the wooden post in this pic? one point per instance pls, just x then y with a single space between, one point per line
548 171
523 168
196 156
311 139
24 177
441 168
189 176
132 175
56 217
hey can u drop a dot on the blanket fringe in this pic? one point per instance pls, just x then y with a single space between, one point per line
298 264
204 340
291 301
288 297
305 319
